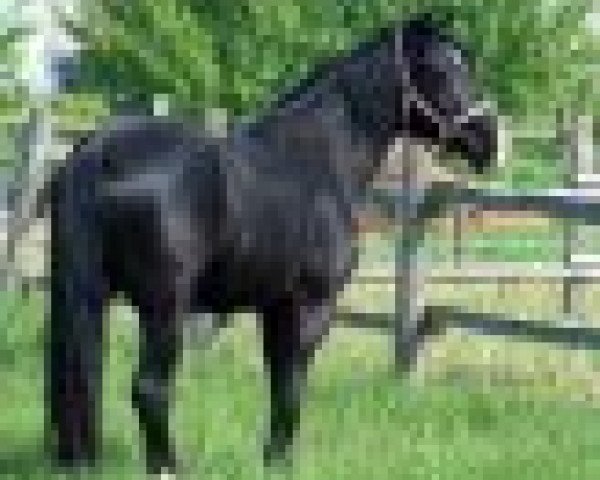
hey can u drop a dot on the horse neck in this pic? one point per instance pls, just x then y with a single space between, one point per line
318 130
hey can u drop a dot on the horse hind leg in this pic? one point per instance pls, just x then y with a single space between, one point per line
160 312
165 301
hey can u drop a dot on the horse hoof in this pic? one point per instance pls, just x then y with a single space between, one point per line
165 474
276 455
403 368
163 467
72 459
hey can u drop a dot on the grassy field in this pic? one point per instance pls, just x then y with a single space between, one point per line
473 409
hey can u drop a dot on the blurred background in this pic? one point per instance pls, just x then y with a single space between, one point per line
477 406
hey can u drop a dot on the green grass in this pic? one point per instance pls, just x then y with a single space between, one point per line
525 244
535 163
359 423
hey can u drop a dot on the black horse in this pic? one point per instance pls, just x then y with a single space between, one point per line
182 221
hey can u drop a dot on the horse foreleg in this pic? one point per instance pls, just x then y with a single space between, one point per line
291 335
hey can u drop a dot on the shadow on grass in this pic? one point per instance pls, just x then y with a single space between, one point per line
24 463
32 463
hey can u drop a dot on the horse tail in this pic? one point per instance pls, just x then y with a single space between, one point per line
74 329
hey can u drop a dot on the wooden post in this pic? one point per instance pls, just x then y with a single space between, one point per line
577 132
564 128
410 275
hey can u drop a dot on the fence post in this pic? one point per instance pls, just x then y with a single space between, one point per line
409 278
564 129
576 133
582 155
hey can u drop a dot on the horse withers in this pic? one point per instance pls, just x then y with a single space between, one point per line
181 222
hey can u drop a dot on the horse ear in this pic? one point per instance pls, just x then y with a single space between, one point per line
424 32
429 23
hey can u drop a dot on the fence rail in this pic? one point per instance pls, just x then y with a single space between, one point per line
581 204
491 272
564 331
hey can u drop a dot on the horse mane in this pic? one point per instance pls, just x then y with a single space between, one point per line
417 33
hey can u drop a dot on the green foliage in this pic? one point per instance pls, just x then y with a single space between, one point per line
234 53
13 96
